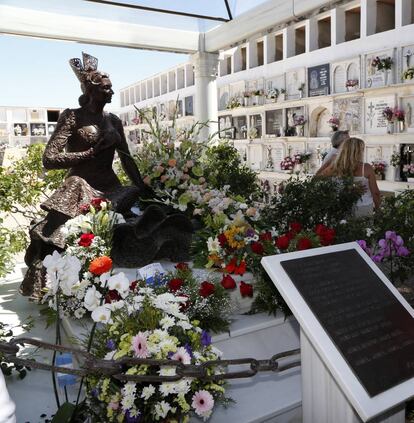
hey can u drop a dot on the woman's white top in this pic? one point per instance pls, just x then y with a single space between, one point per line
7 406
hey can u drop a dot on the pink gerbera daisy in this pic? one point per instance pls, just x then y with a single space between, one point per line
203 403
182 355
139 345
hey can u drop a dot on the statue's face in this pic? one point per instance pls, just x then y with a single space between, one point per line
101 88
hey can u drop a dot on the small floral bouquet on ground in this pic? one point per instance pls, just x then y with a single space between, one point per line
382 64
408 170
351 83
408 73
388 114
379 167
333 122
154 328
287 163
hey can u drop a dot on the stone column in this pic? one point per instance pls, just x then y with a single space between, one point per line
205 101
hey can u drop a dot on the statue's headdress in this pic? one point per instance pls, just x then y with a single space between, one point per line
87 72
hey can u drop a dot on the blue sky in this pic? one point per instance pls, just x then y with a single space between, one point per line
36 72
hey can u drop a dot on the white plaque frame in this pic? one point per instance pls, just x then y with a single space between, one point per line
367 407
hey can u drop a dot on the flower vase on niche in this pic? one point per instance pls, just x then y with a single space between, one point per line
401 126
300 131
390 127
385 77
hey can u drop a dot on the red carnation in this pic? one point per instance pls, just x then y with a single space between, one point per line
257 248
86 240
295 227
246 290
283 242
222 240
185 304
96 203
181 266
175 284
304 243
206 289
112 295
228 282
265 236
241 268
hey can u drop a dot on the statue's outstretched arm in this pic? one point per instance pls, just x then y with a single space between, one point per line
55 156
128 163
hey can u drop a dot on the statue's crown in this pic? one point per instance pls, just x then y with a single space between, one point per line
84 70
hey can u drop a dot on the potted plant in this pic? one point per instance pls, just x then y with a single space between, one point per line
256 97
282 95
333 122
301 90
388 114
379 169
246 96
273 94
351 84
299 122
399 116
408 170
383 65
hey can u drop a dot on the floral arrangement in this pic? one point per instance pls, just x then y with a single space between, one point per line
301 87
399 114
408 170
388 114
272 93
408 73
252 132
301 158
233 103
154 328
395 159
379 167
299 120
333 122
382 64
208 301
287 163
351 83
258 92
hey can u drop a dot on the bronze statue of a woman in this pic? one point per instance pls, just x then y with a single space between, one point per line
84 142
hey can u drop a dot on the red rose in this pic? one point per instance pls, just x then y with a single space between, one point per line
295 227
241 268
96 203
175 284
257 248
133 285
304 243
85 240
222 240
320 229
283 242
112 295
206 289
181 266
228 282
290 235
265 236
246 290
231 266
328 237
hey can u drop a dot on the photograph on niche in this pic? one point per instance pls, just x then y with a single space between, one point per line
20 129
51 128
37 129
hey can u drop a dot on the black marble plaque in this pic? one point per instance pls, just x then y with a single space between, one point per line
318 80
369 326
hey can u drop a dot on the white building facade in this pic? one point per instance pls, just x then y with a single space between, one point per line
322 66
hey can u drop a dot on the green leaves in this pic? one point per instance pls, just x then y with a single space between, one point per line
64 413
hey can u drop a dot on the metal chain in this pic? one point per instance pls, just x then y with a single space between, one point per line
95 366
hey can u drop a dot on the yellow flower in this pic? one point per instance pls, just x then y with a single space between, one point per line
235 236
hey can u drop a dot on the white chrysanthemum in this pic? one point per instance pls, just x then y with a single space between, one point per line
167 322
127 402
147 392
184 324
167 371
161 409
129 389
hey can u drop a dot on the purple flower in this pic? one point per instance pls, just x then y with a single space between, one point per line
95 392
250 233
362 243
391 235
403 251
378 258
399 241
110 344
132 419
188 348
169 355
205 339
